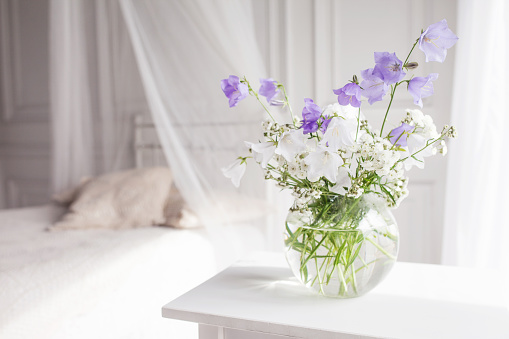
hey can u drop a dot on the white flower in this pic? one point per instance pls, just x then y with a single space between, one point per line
347 112
340 133
290 144
323 162
279 160
235 171
415 143
262 152
311 144
343 182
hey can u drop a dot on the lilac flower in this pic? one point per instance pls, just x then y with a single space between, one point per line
350 94
435 41
310 115
269 90
399 135
388 67
373 87
234 90
325 120
420 87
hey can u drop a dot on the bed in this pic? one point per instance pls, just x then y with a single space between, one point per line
105 283
94 283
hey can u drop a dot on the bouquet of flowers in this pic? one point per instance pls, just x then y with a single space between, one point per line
342 172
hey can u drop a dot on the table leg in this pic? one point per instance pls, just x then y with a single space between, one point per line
210 332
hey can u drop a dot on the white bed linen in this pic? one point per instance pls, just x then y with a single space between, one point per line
94 283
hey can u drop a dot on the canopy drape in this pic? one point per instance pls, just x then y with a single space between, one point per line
182 49
71 101
476 224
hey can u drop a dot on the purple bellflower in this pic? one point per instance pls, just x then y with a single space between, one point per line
388 67
435 41
373 87
399 135
234 90
269 90
325 120
350 94
310 115
421 87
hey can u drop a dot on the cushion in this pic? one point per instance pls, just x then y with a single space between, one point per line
128 199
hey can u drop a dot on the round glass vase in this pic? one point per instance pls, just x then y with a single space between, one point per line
344 247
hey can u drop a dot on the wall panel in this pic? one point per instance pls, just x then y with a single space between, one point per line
24 129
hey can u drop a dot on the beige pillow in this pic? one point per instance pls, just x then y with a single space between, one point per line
129 199
176 212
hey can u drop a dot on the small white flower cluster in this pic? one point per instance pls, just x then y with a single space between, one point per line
271 129
424 124
450 131
355 189
399 191
303 196
378 154
298 168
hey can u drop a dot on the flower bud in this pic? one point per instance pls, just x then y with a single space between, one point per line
411 65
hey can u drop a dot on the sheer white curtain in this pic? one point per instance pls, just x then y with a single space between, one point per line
476 220
71 102
184 49
95 90
3 202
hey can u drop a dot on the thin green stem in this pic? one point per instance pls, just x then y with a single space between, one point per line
428 143
288 104
358 124
354 282
342 279
408 56
381 249
393 91
252 91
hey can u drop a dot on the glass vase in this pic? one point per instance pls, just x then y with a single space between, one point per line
341 247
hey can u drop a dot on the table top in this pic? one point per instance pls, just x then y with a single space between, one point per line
414 301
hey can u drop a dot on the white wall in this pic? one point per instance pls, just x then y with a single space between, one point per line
24 105
312 46
25 139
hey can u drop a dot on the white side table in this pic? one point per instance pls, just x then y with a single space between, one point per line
259 298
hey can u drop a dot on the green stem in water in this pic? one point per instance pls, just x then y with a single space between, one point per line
354 281
381 249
